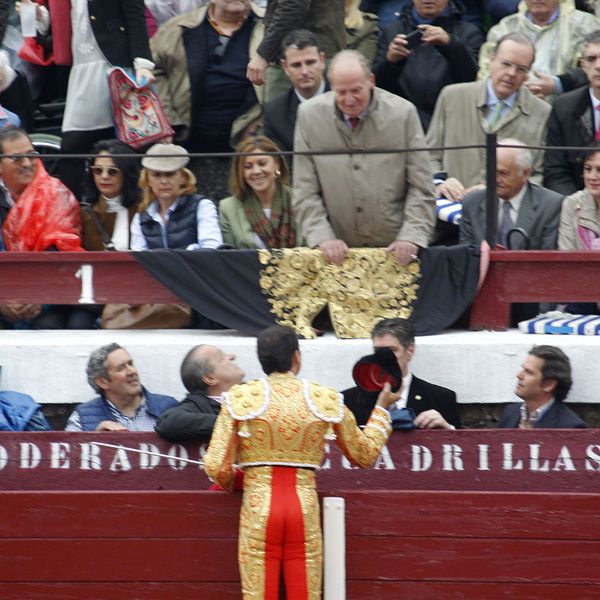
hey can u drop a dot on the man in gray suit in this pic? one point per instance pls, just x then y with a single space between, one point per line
522 204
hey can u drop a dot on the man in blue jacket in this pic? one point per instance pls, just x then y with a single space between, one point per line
542 384
123 404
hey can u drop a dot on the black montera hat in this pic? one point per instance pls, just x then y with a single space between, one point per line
372 371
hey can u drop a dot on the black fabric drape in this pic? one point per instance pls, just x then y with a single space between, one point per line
220 284
224 285
449 277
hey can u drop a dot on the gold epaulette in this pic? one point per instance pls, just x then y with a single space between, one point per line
247 401
325 403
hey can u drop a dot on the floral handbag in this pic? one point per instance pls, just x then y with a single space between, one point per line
139 117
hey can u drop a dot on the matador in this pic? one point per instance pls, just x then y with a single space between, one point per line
276 429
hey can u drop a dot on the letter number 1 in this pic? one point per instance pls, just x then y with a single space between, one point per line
86 274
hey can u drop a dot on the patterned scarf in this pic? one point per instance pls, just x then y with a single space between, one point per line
280 230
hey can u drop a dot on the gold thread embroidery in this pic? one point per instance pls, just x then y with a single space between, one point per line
369 286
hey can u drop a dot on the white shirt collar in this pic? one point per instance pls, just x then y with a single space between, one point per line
319 91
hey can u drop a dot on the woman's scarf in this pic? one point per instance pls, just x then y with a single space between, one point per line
279 231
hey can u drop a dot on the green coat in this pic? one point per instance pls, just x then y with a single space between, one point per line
365 39
236 227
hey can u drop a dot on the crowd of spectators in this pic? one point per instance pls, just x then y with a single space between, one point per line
208 373
305 76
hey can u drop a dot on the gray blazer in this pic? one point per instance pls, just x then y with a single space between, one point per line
539 216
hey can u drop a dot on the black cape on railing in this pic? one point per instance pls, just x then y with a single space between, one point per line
225 285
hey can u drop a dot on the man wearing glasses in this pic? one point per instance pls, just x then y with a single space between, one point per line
37 213
574 121
501 104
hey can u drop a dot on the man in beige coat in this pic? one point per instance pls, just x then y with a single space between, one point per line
356 200
501 104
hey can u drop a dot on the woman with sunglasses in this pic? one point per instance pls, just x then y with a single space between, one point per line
259 213
111 196
171 214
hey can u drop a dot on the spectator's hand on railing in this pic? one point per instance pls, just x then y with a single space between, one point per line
405 252
452 189
397 49
110 426
545 85
255 71
431 419
334 251
20 312
434 36
475 188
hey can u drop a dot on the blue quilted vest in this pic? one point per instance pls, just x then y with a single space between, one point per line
182 227
93 412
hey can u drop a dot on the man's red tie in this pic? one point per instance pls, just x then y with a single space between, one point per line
354 121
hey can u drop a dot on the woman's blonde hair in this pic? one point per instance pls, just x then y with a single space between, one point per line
188 187
237 184
354 18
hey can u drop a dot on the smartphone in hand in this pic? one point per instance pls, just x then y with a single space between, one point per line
413 39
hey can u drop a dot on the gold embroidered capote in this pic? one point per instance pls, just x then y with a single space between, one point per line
368 287
274 424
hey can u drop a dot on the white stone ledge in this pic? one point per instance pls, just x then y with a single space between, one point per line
480 366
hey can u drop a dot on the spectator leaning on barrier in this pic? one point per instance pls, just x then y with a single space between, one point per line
123 404
542 384
557 30
446 54
207 373
304 64
574 121
383 200
501 104
435 406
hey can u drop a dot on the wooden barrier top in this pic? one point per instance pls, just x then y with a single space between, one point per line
466 460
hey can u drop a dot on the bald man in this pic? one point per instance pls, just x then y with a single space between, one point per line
207 373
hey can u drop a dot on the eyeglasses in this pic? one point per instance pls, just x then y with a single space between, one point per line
110 171
521 69
219 51
19 158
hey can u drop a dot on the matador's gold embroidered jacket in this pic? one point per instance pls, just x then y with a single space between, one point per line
287 421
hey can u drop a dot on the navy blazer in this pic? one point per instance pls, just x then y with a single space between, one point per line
422 396
279 118
558 416
571 123
120 29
